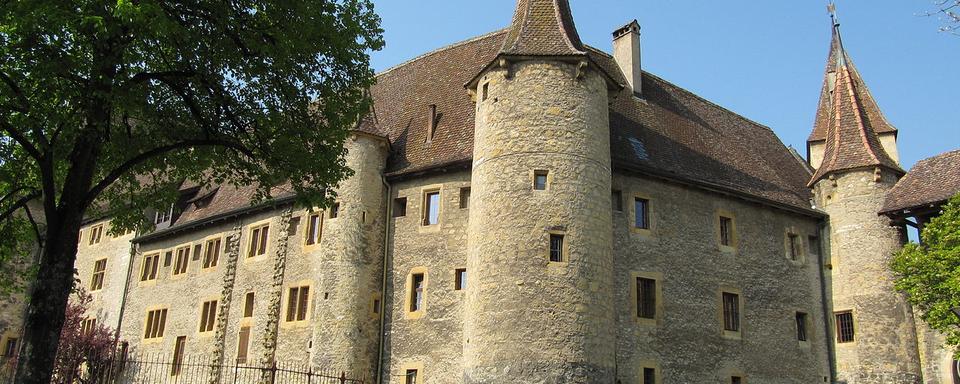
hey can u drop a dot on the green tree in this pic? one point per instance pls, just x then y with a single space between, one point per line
930 272
106 104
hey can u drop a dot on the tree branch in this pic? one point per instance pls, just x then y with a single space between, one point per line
36 228
165 75
19 204
116 173
24 104
21 139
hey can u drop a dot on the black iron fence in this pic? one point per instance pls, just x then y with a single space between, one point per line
165 369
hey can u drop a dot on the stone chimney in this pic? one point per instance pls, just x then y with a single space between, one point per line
626 51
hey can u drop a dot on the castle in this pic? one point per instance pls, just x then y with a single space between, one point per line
529 209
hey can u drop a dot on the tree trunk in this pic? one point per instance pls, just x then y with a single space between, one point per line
48 301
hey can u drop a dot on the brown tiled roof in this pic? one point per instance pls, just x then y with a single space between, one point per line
869 105
930 181
851 140
672 132
542 28
222 200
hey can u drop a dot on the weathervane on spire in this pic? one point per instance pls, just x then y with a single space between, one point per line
835 20
832 9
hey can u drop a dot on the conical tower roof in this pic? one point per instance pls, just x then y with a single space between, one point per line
848 118
542 28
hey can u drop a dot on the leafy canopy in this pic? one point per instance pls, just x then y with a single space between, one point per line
930 272
106 105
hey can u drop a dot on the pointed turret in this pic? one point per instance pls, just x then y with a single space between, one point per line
543 28
849 123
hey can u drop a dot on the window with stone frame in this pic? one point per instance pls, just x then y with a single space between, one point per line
616 200
99 271
731 312
641 212
646 298
801 326
464 197
208 316
298 301
399 207
211 256
411 377
540 179
259 236
149 268
845 329
334 210
460 279
416 292
178 351
87 326
243 344
10 349
248 303
726 231
649 375
431 207
795 247
557 253
96 234
181 261
155 324
313 230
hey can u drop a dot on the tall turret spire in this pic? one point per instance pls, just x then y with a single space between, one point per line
542 28
849 121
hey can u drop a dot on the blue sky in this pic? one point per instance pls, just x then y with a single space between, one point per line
763 60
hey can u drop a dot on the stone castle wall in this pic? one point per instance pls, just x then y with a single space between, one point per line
528 319
862 244
107 300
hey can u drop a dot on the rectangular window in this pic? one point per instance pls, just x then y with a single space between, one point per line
208 316
400 207
431 208
297 301
731 312
845 332
641 213
258 240
167 259
556 248
649 375
248 305
411 376
616 199
313 228
212 257
87 326
243 345
99 270
726 231
376 306
416 293
794 241
801 326
484 91
334 210
646 298
95 234
10 348
540 180
461 279
150 264
156 321
736 380
163 216
178 348
464 197
183 258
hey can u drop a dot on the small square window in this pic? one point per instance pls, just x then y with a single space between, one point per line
400 207
334 210
845 330
556 248
464 197
726 231
641 213
801 326
731 312
431 208
616 199
540 180
461 279
736 380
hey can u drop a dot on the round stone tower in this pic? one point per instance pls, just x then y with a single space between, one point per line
347 284
540 293
873 325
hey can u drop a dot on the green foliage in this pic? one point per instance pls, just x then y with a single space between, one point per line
106 106
930 272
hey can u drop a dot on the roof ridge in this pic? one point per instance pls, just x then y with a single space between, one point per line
442 49
542 28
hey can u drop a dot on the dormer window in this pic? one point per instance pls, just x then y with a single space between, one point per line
163 216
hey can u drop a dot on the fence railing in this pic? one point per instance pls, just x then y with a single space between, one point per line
164 369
